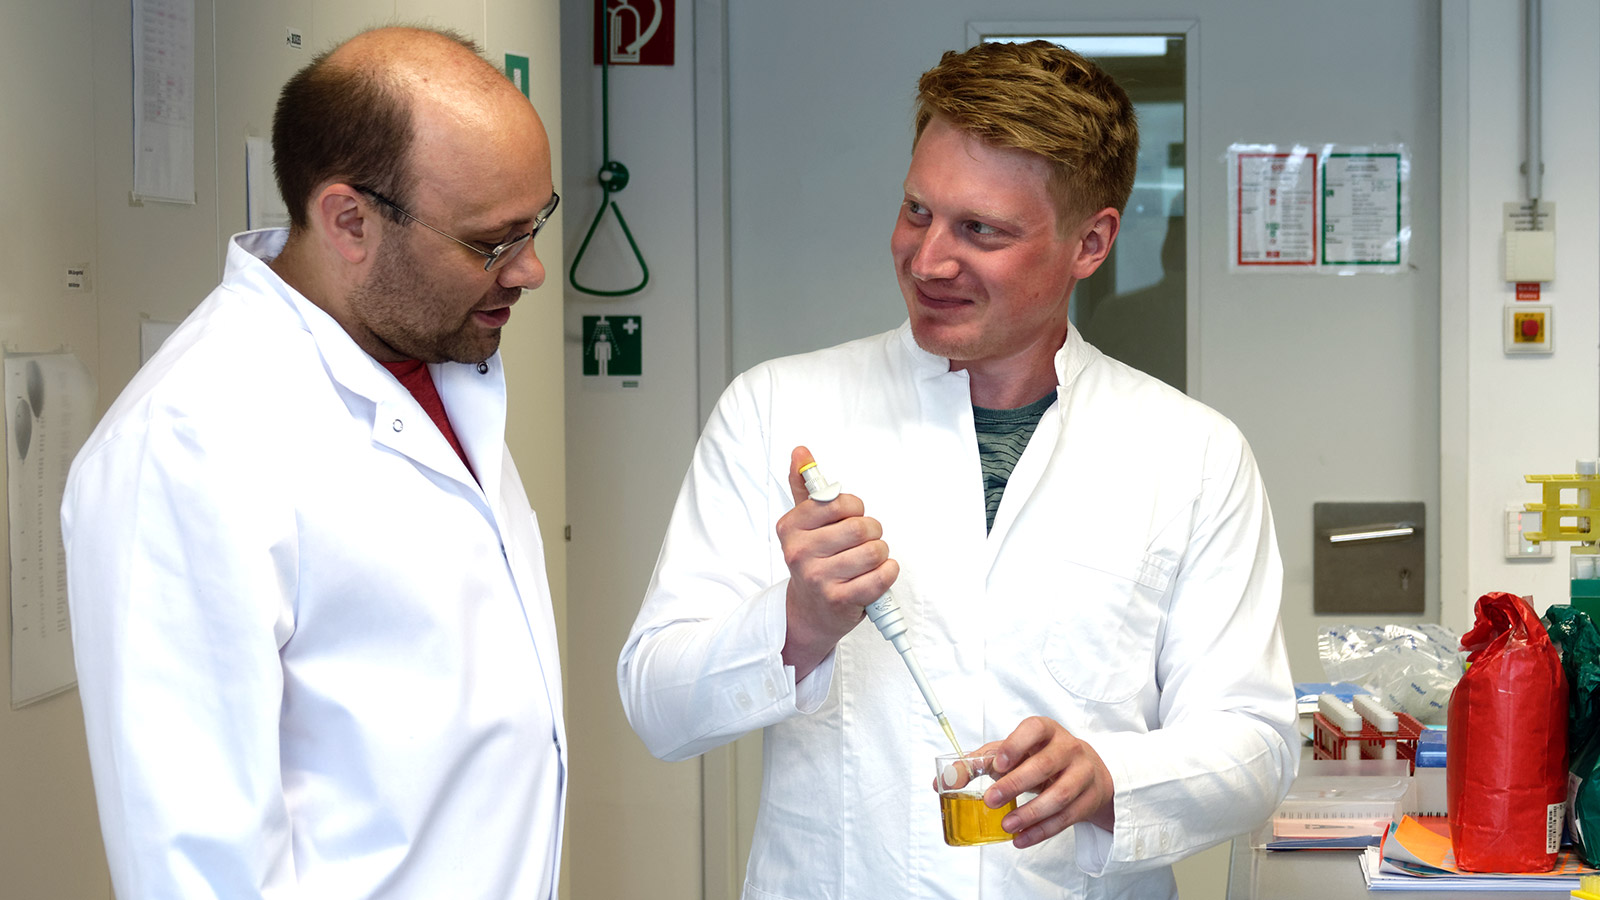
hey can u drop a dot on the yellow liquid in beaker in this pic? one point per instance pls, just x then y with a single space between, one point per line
968 822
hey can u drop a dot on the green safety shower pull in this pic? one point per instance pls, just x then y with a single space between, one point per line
613 178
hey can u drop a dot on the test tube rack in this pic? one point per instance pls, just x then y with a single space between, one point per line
1585 518
1329 742
1553 513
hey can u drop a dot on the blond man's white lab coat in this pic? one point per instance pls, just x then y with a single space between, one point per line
1129 590
317 656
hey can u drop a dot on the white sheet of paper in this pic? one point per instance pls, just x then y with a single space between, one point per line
163 100
265 205
51 406
152 334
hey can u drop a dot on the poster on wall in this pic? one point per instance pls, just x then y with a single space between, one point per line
163 100
50 409
1336 209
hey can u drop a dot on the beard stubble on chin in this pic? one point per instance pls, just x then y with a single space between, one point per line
412 313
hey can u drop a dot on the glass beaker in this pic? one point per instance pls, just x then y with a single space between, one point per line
961 781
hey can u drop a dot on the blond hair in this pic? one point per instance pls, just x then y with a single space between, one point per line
1044 99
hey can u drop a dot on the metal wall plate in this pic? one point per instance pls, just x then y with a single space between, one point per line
1368 558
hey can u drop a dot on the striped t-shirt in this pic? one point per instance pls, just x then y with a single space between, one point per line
1002 435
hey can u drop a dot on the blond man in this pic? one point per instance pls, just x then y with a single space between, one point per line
1086 556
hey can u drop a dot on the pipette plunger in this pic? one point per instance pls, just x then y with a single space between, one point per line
884 611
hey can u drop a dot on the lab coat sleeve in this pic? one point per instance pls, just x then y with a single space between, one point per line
1227 748
704 662
180 571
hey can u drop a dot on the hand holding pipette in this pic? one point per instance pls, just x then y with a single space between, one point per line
838 563
882 610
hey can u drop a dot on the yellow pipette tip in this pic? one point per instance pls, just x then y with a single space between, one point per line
1588 888
951 734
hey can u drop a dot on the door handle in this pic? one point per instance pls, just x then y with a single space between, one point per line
1389 531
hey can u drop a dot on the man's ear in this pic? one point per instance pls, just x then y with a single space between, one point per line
1098 232
340 215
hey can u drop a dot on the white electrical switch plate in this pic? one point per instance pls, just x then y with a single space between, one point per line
1529 328
1519 520
1530 256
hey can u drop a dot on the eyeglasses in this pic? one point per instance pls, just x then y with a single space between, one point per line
492 259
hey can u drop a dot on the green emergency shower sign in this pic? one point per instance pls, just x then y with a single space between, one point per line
613 346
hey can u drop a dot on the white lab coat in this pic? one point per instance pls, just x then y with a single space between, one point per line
316 658
1129 590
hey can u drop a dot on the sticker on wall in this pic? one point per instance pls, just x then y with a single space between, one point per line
517 71
1340 209
634 32
613 352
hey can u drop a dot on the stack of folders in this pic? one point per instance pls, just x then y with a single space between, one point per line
1416 856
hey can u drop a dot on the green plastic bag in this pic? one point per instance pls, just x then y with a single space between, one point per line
1579 641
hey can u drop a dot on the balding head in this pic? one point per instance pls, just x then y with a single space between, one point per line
355 113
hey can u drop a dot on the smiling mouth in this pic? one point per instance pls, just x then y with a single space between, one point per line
941 302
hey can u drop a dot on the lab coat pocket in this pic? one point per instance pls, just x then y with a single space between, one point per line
1103 644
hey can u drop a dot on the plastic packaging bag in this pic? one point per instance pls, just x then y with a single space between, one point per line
1579 641
1506 775
1411 669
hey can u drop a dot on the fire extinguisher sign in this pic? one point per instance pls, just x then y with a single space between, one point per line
641 32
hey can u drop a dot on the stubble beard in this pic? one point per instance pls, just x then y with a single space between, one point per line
409 313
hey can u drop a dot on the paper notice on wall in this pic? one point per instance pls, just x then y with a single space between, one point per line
264 206
1335 209
1362 221
1274 194
163 100
152 334
51 404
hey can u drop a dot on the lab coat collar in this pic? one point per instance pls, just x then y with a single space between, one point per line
351 366
1074 356
476 398
924 365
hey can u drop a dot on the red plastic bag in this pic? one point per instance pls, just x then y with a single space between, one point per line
1506 772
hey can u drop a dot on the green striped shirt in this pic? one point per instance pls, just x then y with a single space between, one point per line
1002 436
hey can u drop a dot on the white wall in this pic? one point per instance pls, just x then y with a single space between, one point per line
1505 416
64 197
634 823
49 835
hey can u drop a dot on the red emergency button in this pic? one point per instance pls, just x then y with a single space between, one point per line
1530 329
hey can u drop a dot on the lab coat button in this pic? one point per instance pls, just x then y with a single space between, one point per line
1138 848
772 689
483 368
743 699
399 425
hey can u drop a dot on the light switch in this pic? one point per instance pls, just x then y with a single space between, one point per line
1518 521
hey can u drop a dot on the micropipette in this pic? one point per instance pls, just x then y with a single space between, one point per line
884 612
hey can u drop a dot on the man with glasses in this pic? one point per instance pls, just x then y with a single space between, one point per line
314 637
